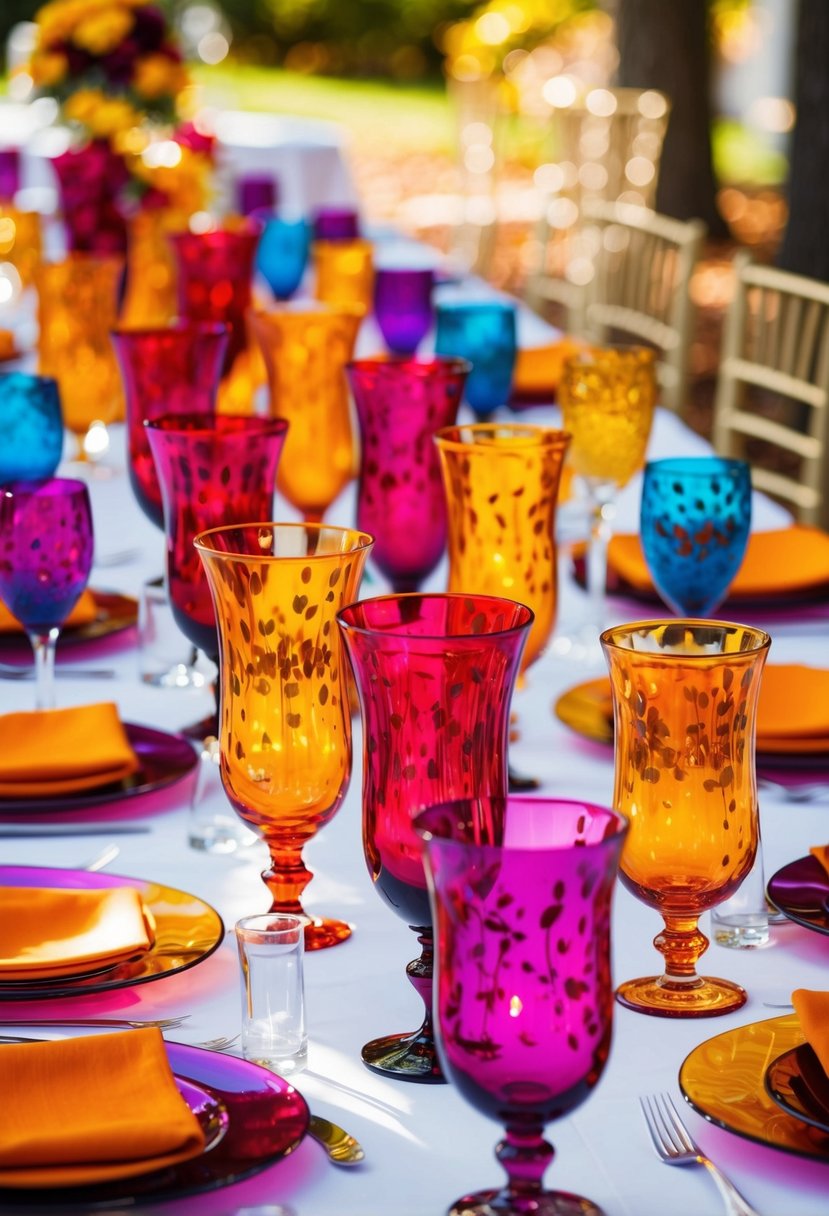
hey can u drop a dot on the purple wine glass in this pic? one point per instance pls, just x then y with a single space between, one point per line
400 403
403 306
521 891
336 224
435 674
173 370
257 192
45 558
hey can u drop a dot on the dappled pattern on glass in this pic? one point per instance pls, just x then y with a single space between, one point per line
165 371
400 404
482 331
522 892
215 270
31 426
696 516
685 706
285 722
435 675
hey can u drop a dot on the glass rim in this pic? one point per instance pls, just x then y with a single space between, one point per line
290 926
399 632
590 355
306 309
695 466
253 423
31 377
181 326
546 436
619 831
201 539
63 485
446 364
612 639
497 304
244 226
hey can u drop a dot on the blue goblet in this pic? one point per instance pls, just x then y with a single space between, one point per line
283 254
482 331
695 520
31 427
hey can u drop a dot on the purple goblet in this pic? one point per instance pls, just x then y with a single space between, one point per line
257 192
336 224
172 370
45 559
403 306
521 892
435 674
400 404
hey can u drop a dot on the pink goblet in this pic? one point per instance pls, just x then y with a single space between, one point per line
521 892
401 501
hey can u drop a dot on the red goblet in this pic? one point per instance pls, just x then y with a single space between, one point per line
435 674
400 404
521 894
172 370
213 469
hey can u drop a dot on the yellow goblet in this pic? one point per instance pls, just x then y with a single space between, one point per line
78 306
20 241
306 350
607 397
285 725
344 272
502 484
684 708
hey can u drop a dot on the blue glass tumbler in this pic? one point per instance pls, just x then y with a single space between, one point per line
283 254
403 306
31 427
695 521
482 331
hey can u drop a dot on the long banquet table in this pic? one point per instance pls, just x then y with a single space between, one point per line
424 1145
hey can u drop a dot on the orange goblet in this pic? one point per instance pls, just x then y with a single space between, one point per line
684 709
344 272
285 725
306 350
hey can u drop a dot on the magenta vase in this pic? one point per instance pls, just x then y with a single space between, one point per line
90 181
165 371
215 272
435 675
401 502
521 894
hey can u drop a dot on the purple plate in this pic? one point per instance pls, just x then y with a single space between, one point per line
797 1083
165 758
114 612
187 931
266 1118
801 891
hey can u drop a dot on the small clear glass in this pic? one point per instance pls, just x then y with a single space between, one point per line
742 922
271 952
214 826
165 658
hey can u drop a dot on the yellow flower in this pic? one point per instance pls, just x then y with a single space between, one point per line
111 116
82 105
101 32
48 68
156 75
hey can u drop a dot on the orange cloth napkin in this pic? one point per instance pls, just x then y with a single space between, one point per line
812 1008
85 610
782 562
49 932
59 751
7 347
91 1109
821 852
538 369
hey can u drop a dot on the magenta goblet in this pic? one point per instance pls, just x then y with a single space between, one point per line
521 892
435 674
215 272
403 306
213 469
173 370
45 559
401 502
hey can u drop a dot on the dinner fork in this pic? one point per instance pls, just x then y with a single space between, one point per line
674 1146
11 671
121 1023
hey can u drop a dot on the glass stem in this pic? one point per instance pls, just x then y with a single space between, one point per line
603 512
43 645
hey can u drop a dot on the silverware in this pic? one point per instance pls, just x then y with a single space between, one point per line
102 859
122 1023
675 1146
118 557
10 671
220 1044
12 830
342 1148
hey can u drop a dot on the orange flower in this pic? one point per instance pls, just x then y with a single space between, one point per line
157 74
48 68
101 32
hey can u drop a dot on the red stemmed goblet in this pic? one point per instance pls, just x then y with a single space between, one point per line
45 558
213 469
521 892
435 674
400 404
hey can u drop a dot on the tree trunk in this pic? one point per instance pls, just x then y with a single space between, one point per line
805 248
665 44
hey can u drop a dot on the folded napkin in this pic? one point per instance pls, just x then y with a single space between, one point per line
49 932
87 1110
812 1008
7 346
59 751
778 563
538 369
821 852
85 610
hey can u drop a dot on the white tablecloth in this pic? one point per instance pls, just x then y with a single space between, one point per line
424 1145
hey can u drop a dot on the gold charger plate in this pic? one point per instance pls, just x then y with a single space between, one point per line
113 612
724 1081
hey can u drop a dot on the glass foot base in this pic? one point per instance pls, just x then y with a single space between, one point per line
404 1057
707 999
322 932
501 1203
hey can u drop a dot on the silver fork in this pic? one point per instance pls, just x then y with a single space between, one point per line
674 1146
122 1023
220 1044
10 671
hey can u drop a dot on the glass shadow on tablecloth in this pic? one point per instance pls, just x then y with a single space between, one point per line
265 1119
187 931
